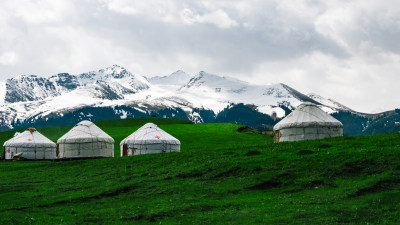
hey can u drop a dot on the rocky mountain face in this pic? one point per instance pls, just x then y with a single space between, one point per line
29 88
113 82
114 92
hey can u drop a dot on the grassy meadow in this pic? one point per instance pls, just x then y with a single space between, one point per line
221 176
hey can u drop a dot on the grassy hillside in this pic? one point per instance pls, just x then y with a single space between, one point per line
221 176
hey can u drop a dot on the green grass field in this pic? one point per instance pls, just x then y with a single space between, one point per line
220 176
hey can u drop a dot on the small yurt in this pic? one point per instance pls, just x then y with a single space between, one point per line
307 122
149 139
85 140
32 145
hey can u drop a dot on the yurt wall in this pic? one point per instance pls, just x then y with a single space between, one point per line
149 139
32 145
85 140
307 122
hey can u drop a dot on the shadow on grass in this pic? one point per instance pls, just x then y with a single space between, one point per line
110 193
384 184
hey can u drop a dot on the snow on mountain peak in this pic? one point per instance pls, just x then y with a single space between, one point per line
115 71
32 87
29 88
179 74
115 74
179 71
177 78
211 81
112 72
217 92
329 104
64 82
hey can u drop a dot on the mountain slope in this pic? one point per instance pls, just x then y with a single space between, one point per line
114 79
384 123
32 100
217 92
329 104
29 88
117 75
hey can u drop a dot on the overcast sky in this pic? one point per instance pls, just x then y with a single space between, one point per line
341 49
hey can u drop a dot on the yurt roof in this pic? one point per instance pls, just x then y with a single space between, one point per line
84 132
150 134
30 138
308 115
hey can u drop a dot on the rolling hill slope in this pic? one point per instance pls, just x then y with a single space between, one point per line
221 176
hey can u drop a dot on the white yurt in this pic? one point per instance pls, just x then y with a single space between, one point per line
307 122
149 139
85 140
32 145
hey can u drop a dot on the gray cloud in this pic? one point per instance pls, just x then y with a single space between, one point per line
345 50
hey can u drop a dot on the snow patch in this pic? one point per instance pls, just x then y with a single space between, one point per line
271 110
195 117
329 105
177 78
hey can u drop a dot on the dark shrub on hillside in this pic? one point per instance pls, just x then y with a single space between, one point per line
353 124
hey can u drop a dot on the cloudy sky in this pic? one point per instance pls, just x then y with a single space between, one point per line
347 50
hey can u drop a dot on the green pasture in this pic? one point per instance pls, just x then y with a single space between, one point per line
221 176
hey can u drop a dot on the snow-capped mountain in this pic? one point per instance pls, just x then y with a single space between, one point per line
200 98
215 92
114 81
116 75
177 78
29 88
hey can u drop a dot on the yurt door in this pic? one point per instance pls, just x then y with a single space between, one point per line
58 151
8 154
276 136
125 150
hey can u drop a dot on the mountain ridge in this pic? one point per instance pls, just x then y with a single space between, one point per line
25 88
30 99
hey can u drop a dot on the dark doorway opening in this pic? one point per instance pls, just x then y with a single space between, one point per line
125 150
58 150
